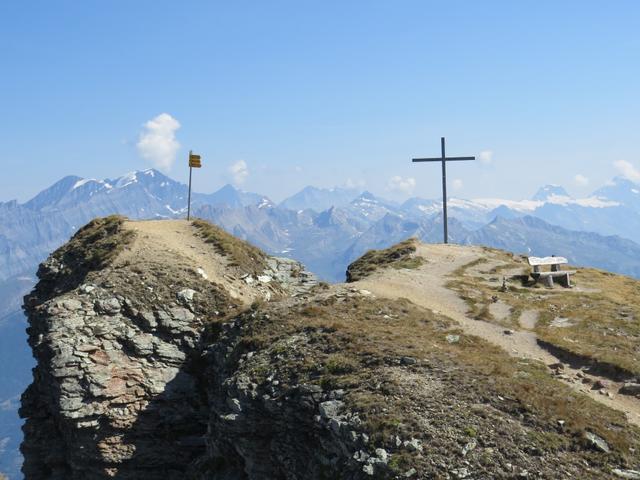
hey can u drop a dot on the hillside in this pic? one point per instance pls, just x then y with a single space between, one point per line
326 241
169 349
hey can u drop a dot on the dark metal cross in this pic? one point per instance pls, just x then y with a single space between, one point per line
444 159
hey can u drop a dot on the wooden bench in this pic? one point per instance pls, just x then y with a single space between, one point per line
554 262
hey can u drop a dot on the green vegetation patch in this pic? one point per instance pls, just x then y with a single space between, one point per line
241 254
401 255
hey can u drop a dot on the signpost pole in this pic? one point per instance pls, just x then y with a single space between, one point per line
189 201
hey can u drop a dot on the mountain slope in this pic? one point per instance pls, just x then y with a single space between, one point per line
319 199
621 190
229 196
325 240
190 354
531 235
550 191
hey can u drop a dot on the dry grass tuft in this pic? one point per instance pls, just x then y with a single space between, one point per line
338 355
241 254
401 255
98 243
600 316
93 247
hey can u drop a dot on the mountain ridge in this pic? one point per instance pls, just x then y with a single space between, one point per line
326 241
243 366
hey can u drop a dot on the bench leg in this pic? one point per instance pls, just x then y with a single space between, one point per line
548 281
567 281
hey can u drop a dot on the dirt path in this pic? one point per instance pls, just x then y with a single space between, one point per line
179 238
529 319
426 287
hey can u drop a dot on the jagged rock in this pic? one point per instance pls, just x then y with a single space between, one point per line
330 409
626 474
234 405
110 306
600 384
185 296
461 473
87 288
71 304
170 353
148 320
382 455
597 442
413 445
408 361
630 389
142 344
469 447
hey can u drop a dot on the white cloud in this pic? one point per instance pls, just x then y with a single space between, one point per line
350 183
486 157
627 170
157 142
457 184
239 172
581 180
3 444
402 185
7 405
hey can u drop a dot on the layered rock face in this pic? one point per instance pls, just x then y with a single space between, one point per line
114 388
118 390
115 385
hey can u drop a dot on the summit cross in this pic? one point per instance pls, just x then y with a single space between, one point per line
444 159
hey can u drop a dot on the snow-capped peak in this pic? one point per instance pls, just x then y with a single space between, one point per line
548 191
128 179
82 182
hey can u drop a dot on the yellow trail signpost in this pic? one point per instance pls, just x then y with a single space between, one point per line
194 162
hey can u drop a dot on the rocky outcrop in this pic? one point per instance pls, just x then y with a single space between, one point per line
118 390
264 424
115 389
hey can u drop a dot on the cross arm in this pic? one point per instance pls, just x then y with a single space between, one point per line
439 159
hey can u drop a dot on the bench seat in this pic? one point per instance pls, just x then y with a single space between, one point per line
547 277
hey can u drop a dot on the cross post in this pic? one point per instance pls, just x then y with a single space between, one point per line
444 159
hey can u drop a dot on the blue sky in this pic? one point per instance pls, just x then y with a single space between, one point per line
321 93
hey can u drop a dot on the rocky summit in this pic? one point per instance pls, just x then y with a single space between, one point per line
171 349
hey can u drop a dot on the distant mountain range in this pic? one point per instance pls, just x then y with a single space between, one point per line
325 229
316 224
339 218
